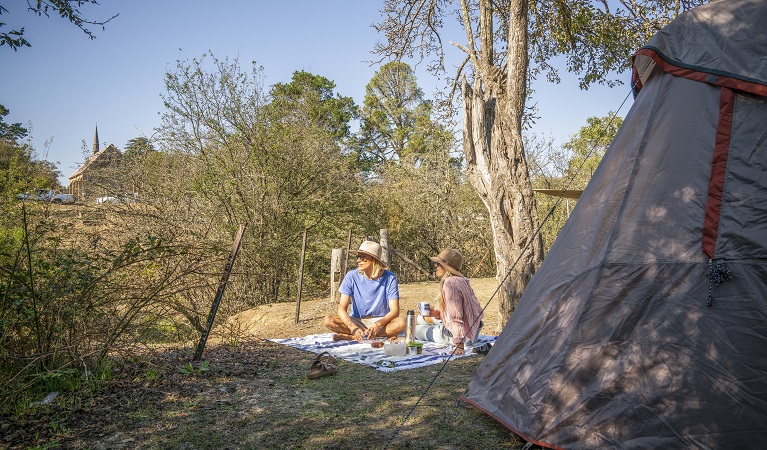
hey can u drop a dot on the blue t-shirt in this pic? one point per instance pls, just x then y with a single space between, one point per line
370 297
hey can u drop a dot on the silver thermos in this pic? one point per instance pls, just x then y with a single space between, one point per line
410 330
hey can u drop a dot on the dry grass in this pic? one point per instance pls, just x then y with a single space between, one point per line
254 394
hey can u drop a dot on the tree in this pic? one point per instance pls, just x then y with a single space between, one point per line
393 108
10 131
275 164
509 43
588 146
419 192
19 170
138 146
316 92
66 9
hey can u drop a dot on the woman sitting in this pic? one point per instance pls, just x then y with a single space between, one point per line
458 318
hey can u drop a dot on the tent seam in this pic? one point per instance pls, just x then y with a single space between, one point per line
701 69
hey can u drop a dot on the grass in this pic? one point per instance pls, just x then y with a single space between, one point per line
254 395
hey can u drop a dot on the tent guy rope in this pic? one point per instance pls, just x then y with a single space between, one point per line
511 269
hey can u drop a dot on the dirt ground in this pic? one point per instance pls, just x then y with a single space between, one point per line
253 394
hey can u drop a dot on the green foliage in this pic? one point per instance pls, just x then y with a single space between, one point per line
415 187
19 170
151 374
66 9
597 38
275 164
138 146
396 119
320 106
190 369
67 298
427 208
10 131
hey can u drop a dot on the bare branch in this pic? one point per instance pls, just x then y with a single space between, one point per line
469 34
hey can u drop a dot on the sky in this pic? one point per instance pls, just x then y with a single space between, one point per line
65 85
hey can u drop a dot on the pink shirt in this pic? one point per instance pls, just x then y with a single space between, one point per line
462 312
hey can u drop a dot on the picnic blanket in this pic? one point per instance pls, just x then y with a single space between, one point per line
363 353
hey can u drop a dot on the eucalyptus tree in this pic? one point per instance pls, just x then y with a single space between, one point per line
507 43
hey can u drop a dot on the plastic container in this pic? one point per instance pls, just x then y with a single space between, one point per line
395 349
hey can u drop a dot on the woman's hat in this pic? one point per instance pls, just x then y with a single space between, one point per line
450 259
370 248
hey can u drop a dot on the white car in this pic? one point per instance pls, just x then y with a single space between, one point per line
113 199
101 200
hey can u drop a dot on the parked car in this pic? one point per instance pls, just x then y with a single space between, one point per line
101 200
62 198
112 199
47 195
37 194
27 196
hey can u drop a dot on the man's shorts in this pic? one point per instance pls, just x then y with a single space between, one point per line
365 322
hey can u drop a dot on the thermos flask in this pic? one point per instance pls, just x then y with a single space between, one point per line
410 330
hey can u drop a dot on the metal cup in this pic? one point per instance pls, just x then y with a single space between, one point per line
424 309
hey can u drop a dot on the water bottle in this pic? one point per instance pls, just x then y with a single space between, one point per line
410 330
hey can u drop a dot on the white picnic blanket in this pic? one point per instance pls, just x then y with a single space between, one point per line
363 353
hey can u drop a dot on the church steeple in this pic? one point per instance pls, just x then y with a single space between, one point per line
96 141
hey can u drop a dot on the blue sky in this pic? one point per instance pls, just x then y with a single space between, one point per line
66 84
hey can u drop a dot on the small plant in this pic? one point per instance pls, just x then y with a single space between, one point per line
151 374
189 368
46 446
57 427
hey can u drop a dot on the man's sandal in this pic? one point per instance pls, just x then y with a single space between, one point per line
323 365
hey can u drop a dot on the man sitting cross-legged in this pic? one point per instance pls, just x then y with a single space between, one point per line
373 294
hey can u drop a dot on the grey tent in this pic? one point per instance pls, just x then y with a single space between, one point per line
646 324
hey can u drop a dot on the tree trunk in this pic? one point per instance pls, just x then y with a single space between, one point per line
495 159
496 166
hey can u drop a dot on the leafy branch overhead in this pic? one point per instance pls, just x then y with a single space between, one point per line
66 9
596 38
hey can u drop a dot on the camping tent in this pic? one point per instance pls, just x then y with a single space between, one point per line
646 324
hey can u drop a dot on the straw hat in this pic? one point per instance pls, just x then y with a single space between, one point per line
372 249
450 259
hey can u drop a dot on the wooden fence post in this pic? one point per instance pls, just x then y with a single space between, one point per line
385 247
300 276
337 271
219 293
348 250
